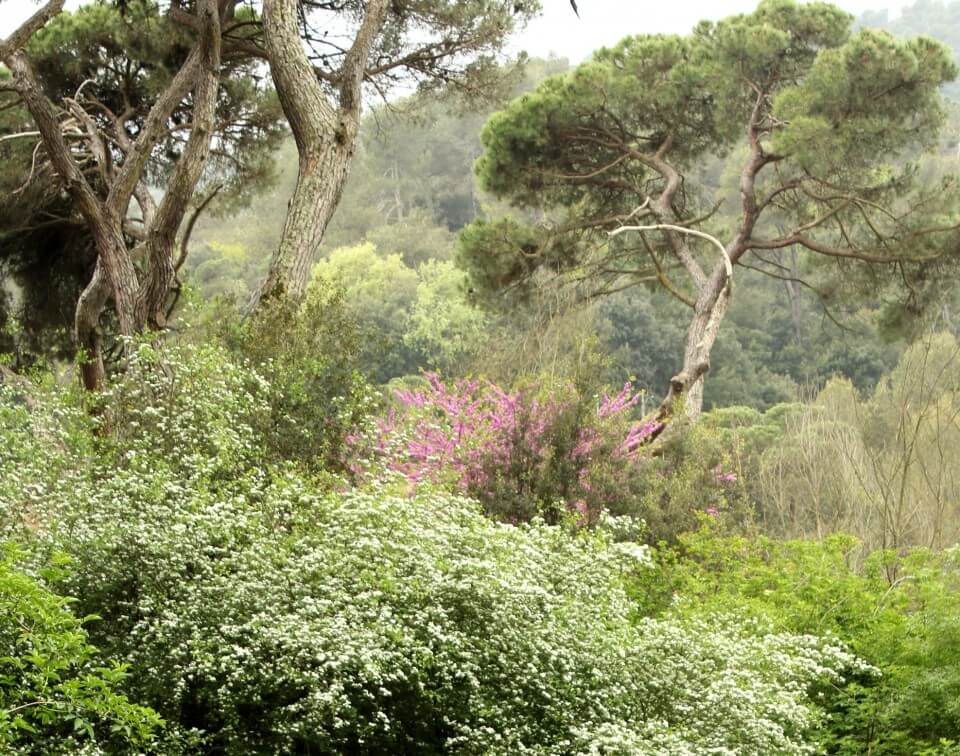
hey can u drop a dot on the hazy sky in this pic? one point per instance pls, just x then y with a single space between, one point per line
604 22
601 22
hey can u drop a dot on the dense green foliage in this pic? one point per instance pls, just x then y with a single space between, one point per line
899 613
309 360
414 316
55 696
258 609
936 19
262 605
259 612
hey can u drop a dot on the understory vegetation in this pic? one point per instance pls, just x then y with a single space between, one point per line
257 604
607 409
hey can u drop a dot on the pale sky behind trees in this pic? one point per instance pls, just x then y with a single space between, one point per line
605 22
559 31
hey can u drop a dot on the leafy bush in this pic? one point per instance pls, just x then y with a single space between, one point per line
706 470
549 448
55 698
412 316
258 614
308 358
445 329
379 294
900 613
389 624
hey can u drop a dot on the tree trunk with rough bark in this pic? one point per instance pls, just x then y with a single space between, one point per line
90 305
320 181
325 129
163 227
713 292
115 275
686 387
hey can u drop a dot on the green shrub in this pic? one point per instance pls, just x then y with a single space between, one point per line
880 465
380 624
260 614
55 697
697 473
900 613
309 357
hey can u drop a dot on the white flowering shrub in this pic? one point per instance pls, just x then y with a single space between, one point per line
193 410
44 447
184 419
258 613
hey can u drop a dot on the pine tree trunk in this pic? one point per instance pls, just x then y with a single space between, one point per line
320 182
325 129
162 235
686 387
115 275
90 306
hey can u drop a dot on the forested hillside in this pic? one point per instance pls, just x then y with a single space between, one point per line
412 189
368 389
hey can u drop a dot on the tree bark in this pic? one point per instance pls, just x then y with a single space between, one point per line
320 180
106 226
162 234
713 293
90 306
325 129
709 307
686 387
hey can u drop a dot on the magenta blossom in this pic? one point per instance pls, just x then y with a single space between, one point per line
724 477
491 443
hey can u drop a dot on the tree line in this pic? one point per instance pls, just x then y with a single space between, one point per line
838 156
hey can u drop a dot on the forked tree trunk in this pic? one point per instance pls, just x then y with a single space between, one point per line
162 233
709 308
137 304
325 128
115 274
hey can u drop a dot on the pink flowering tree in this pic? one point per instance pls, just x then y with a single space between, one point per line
521 453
